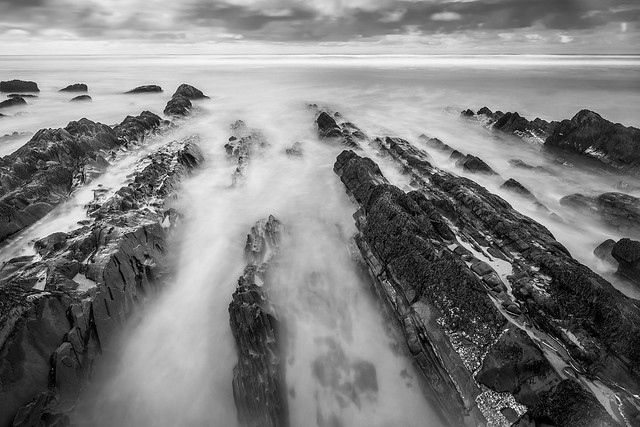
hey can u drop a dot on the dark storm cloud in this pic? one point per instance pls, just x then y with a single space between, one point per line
320 20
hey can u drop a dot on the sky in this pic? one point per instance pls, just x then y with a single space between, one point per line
320 26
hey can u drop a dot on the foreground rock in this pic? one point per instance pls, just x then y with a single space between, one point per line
13 102
259 388
61 310
18 86
76 87
617 210
146 89
180 103
458 266
41 174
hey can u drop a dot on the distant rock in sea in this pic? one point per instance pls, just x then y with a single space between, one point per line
19 86
146 89
21 95
76 87
13 102
81 98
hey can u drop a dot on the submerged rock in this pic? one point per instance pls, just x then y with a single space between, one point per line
146 89
60 312
243 144
617 210
76 87
18 86
259 387
13 102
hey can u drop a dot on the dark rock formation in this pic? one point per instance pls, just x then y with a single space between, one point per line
475 164
346 133
514 186
617 210
517 163
76 87
21 95
259 388
603 251
453 303
189 92
60 312
242 146
627 253
80 98
536 131
589 134
42 173
146 89
18 86
13 102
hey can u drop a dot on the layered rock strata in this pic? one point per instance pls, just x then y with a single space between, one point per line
62 307
259 388
464 273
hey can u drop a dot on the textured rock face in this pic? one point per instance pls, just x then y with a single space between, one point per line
146 89
259 377
588 133
627 253
180 103
18 86
76 87
346 133
13 102
537 130
433 253
244 143
72 300
39 175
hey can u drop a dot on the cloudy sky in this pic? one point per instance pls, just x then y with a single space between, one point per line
320 26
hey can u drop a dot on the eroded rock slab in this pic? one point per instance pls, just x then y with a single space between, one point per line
64 307
259 387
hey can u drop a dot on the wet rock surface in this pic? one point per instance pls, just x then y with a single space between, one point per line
146 89
19 86
76 87
13 102
41 174
627 253
331 126
62 310
259 387
244 143
458 265
180 103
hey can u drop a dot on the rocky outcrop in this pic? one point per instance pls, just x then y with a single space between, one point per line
458 265
589 134
180 103
627 253
514 186
259 388
617 210
81 98
146 89
535 131
76 87
243 144
345 133
13 102
41 174
62 309
18 86
468 162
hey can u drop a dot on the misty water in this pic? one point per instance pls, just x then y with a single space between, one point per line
173 366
